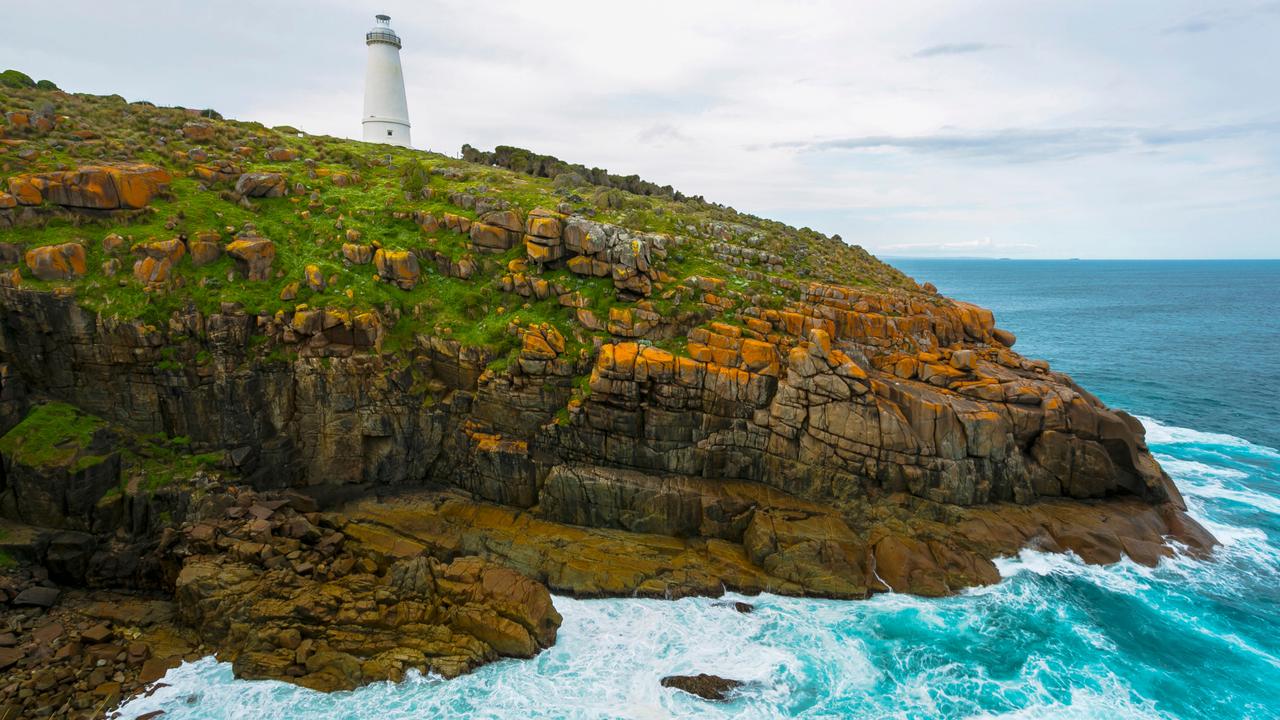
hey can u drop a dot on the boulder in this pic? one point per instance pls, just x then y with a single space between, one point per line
152 271
707 687
112 243
397 266
544 224
217 173
539 251
357 254
57 262
206 248
314 277
262 185
492 237
282 154
127 186
197 131
506 219
253 255
38 596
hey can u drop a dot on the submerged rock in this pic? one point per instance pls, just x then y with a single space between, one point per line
707 687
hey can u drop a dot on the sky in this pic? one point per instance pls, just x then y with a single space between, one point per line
1004 128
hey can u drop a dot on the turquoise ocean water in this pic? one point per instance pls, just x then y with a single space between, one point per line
1193 348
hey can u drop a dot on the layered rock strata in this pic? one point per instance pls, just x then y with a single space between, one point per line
897 417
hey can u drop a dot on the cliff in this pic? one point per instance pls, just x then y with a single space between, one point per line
595 381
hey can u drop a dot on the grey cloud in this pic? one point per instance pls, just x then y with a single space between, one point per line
962 48
1189 27
660 133
1213 20
1032 145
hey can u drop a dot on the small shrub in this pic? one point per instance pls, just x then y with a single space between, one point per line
16 79
413 177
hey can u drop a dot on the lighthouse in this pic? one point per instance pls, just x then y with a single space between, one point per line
386 113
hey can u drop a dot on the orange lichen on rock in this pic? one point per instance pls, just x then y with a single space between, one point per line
57 262
107 187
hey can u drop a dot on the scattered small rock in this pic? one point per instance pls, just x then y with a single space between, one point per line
707 687
37 597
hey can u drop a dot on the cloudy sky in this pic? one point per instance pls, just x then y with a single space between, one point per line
1082 128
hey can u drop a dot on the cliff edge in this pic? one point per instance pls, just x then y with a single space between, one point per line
492 364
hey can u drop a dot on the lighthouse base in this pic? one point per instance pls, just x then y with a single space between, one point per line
387 133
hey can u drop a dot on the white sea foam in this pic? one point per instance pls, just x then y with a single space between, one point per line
1160 434
1125 577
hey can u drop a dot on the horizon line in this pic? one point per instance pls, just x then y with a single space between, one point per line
1074 259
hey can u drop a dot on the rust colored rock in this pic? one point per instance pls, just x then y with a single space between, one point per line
57 262
205 249
457 223
254 256
492 237
112 187
541 343
397 266
505 219
585 265
540 252
217 173
257 617
18 119
7 201
173 249
153 271
315 278
282 154
197 131
138 184
544 224
357 254
99 633
112 243
25 191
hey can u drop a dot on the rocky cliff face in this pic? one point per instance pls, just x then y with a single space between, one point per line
831 475
497 386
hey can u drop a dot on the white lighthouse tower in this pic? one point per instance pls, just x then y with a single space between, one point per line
386 113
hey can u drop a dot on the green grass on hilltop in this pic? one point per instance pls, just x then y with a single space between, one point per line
309 228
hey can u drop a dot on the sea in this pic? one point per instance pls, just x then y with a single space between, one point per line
1192 348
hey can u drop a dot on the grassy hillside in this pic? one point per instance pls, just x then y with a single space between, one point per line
343 191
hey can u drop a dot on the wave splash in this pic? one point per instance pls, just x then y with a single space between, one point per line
1055 639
